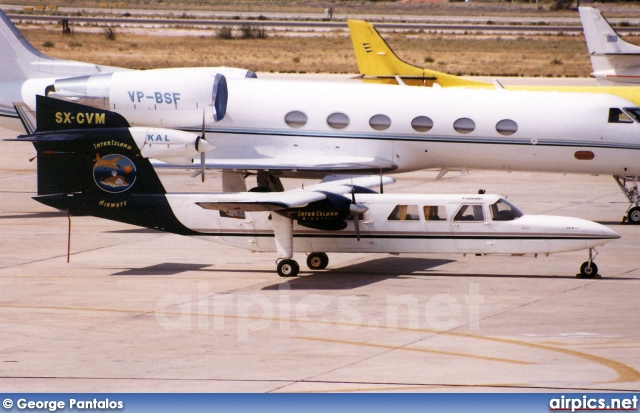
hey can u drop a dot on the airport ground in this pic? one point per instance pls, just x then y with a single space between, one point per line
137 310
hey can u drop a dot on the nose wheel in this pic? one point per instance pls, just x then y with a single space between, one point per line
633 216
629 186
589 269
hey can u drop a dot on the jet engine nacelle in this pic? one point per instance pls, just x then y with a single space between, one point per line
169 145
172 97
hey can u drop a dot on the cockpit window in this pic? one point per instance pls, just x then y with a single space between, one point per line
503 210
618 116
471 213
634 113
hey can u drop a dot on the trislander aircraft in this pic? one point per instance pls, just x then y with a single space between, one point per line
274 128
614 60
377 63
105 173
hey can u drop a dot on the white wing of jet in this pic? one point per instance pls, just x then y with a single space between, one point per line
295 198
613 59
322 163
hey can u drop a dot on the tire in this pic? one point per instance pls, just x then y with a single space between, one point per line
587 271
317 261
634 215
288 268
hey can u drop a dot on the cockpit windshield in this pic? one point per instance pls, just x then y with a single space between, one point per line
634 113
503 210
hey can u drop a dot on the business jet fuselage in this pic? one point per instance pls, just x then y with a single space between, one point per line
298 127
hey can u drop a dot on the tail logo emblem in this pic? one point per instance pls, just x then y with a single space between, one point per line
114 173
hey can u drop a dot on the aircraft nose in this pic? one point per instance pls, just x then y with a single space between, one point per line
596 229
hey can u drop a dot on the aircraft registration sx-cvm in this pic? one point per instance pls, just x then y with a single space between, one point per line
105 173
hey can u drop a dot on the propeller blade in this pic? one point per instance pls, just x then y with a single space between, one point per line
356 224
353 193
203 161
381 186
203 157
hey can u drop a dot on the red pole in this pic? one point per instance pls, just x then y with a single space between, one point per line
68 236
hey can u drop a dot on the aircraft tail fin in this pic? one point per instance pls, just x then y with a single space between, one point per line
378 63
21 61
59 115
612 58
102 173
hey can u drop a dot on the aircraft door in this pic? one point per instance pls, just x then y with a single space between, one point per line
470 228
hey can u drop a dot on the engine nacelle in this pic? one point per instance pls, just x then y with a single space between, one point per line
329 214
173 98
169 145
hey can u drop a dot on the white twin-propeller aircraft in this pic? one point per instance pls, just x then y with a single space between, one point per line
106 173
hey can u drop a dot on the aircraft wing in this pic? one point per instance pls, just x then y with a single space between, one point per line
321 165
295 198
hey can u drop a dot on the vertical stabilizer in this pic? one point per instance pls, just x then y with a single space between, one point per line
21 61
613 59
378 63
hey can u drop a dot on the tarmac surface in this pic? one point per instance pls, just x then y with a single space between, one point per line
137 310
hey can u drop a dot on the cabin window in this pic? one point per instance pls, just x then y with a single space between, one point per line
634 113
503 210
404 213
434 213
470 213
618 116
380 122
506 127
338 120
464 125
296 119
422 124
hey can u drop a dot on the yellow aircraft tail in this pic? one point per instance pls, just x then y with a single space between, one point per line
377 62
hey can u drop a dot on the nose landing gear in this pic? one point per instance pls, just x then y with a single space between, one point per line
633 195
589 269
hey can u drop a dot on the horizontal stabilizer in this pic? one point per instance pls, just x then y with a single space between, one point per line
27 117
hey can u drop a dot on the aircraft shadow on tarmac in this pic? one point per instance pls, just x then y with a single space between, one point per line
343 278
361 274
165 268
347 277
48 214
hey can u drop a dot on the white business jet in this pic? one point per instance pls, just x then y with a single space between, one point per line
104 173
275 128
614 60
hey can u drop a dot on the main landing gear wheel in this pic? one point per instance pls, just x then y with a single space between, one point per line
588 270
633 216
288 268
317 261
